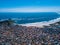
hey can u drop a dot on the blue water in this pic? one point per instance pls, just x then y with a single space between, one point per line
22 18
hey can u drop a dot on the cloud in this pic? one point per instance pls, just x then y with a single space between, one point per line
31 9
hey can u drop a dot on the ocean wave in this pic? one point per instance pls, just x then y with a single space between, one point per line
16 19
37 24
41 24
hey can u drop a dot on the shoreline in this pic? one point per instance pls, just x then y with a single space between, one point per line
41 24
37 24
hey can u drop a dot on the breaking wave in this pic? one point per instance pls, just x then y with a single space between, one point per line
39 24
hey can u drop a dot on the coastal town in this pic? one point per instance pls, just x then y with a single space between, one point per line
11 34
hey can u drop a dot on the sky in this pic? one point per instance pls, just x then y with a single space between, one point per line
29 5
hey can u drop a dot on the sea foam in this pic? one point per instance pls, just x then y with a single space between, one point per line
41 24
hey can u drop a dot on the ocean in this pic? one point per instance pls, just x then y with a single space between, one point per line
23 18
